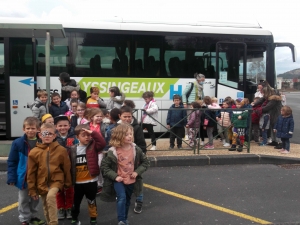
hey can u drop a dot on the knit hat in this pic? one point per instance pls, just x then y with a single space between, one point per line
46 116
59 118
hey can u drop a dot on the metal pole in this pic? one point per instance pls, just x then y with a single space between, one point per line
47 62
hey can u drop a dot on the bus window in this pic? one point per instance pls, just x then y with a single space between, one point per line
21 57
1 58
174 61
256 66
59 56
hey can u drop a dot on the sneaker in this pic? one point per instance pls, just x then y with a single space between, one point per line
186 138
121 223
240 148
279 146
285 152
270 140
61 214
171 147
262 144
202 143
273 143
226 145
153 148
208 146
93 222
279 150
99 190
138 207
232 148
179 147
68 213
36 221
24 223
75 222
223 142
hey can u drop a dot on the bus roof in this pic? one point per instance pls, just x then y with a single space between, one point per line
117 23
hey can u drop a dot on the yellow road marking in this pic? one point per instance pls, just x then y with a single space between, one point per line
7 208
209 205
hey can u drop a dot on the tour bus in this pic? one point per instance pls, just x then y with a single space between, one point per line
136 56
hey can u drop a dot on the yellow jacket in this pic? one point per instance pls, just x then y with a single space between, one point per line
48 166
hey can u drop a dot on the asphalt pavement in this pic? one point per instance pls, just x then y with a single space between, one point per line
227 194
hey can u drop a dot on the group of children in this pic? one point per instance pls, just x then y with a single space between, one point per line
61 161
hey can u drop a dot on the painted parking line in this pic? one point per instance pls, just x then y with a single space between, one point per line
209 205
7 208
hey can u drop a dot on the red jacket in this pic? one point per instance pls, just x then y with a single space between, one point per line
96 145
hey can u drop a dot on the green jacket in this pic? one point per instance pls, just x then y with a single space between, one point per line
109 168
239 123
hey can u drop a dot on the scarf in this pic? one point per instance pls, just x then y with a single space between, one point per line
199 90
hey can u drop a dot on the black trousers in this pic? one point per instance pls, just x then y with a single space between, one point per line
90 191
179 131
151 133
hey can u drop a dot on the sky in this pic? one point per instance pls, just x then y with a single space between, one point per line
281 18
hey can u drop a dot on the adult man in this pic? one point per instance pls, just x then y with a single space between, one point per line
67 85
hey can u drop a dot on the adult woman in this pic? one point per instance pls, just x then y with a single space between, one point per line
271 104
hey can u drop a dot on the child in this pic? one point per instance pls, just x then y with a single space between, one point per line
255 121
129 103
239 121
122 169
149 116
201 131
85 170
38 107
96 124
73 105
284 128
106 119
264 125
224 123
138 138
114 117
194 124
46 180
47 118
66 137
94 101
73 95
57 107
214 103
116 98
176 121
208 121
17 168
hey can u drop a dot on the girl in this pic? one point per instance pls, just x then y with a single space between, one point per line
78 118
73 104
122 169
193 124
224 123
116 98
149 116
208 120
73 94
47 118
96 124
284 127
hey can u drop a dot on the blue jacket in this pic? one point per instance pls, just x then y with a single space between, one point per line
284 126
56 110
17 162
175 115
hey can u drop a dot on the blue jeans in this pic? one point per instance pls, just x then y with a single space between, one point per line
264 134
286 143
124 193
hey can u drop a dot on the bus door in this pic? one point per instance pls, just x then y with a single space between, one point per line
22 82
278 82
231 70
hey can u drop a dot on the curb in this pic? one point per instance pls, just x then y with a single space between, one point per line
209 160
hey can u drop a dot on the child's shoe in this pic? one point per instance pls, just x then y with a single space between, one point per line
24 223
186 138
226 145
208 146
61 214
279 150
68 213
138 207
262 144
121 223
202 143
75 222
279 146
232 148
285 152
179 147
93 222
240 148
171 147
153 148
37 221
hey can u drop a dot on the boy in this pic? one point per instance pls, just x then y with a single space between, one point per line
94 101
114 117
85 170
48 171
139 139
239 121
264 125
38 107
57 107
16 171
66 137
176 114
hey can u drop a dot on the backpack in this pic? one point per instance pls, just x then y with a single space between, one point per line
82 95
189 92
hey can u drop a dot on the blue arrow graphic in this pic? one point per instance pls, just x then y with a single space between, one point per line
28 81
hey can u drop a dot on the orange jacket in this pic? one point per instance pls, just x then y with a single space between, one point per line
48 166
